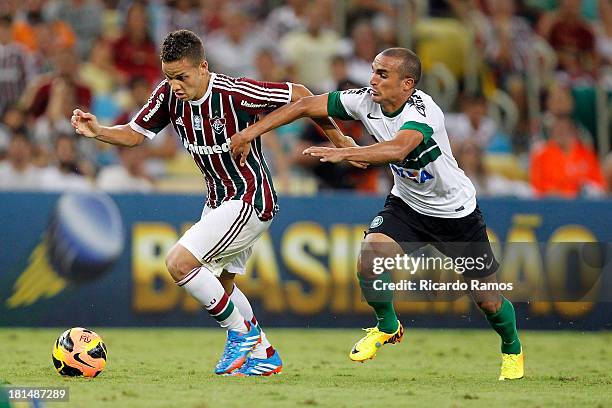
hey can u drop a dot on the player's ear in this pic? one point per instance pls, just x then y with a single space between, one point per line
203 66
408 84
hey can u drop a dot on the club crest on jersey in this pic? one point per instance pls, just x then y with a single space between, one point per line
197 122
218 124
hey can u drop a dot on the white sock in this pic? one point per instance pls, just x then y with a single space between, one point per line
242 303
207 290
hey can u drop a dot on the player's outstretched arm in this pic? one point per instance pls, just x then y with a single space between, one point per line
310 106
327 124
391 151
86 124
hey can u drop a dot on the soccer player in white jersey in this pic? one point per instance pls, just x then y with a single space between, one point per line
206 109
432 201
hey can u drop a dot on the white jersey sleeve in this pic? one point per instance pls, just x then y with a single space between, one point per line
347 105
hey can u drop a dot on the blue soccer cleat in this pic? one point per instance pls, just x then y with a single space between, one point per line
237 348
260 366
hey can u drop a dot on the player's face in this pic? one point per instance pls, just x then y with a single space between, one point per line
388 85
187 80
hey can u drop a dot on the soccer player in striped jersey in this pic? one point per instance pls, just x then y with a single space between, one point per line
432 201
206 109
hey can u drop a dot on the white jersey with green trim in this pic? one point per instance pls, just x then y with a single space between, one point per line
428 179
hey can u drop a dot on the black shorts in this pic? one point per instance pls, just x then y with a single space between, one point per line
454 237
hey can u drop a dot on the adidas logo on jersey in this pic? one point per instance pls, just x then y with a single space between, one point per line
179 122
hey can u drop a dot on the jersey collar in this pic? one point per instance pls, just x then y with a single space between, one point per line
208 90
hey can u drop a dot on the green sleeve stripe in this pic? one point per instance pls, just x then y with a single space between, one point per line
335 109
426 130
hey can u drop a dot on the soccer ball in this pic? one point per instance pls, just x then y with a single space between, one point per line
79 352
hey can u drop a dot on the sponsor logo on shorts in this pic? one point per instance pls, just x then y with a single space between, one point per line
376 221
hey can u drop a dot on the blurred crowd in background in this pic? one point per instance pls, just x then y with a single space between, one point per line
526 87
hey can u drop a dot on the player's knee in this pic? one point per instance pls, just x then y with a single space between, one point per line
376 250
359 266
489 306
173 266
362 266
367 264
178 265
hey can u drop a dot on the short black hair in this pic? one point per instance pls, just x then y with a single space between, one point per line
411 64
182 44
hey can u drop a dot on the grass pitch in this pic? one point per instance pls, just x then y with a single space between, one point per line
436 368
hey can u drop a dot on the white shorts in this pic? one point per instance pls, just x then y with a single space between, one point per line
224 236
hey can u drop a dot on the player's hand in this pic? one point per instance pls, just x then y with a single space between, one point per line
241 145
326 154
85 123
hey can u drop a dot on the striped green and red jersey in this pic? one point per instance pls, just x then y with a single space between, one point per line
205 127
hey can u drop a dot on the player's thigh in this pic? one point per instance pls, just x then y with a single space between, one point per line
399 222
222 231
376 247
393 232
180 262
465 240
